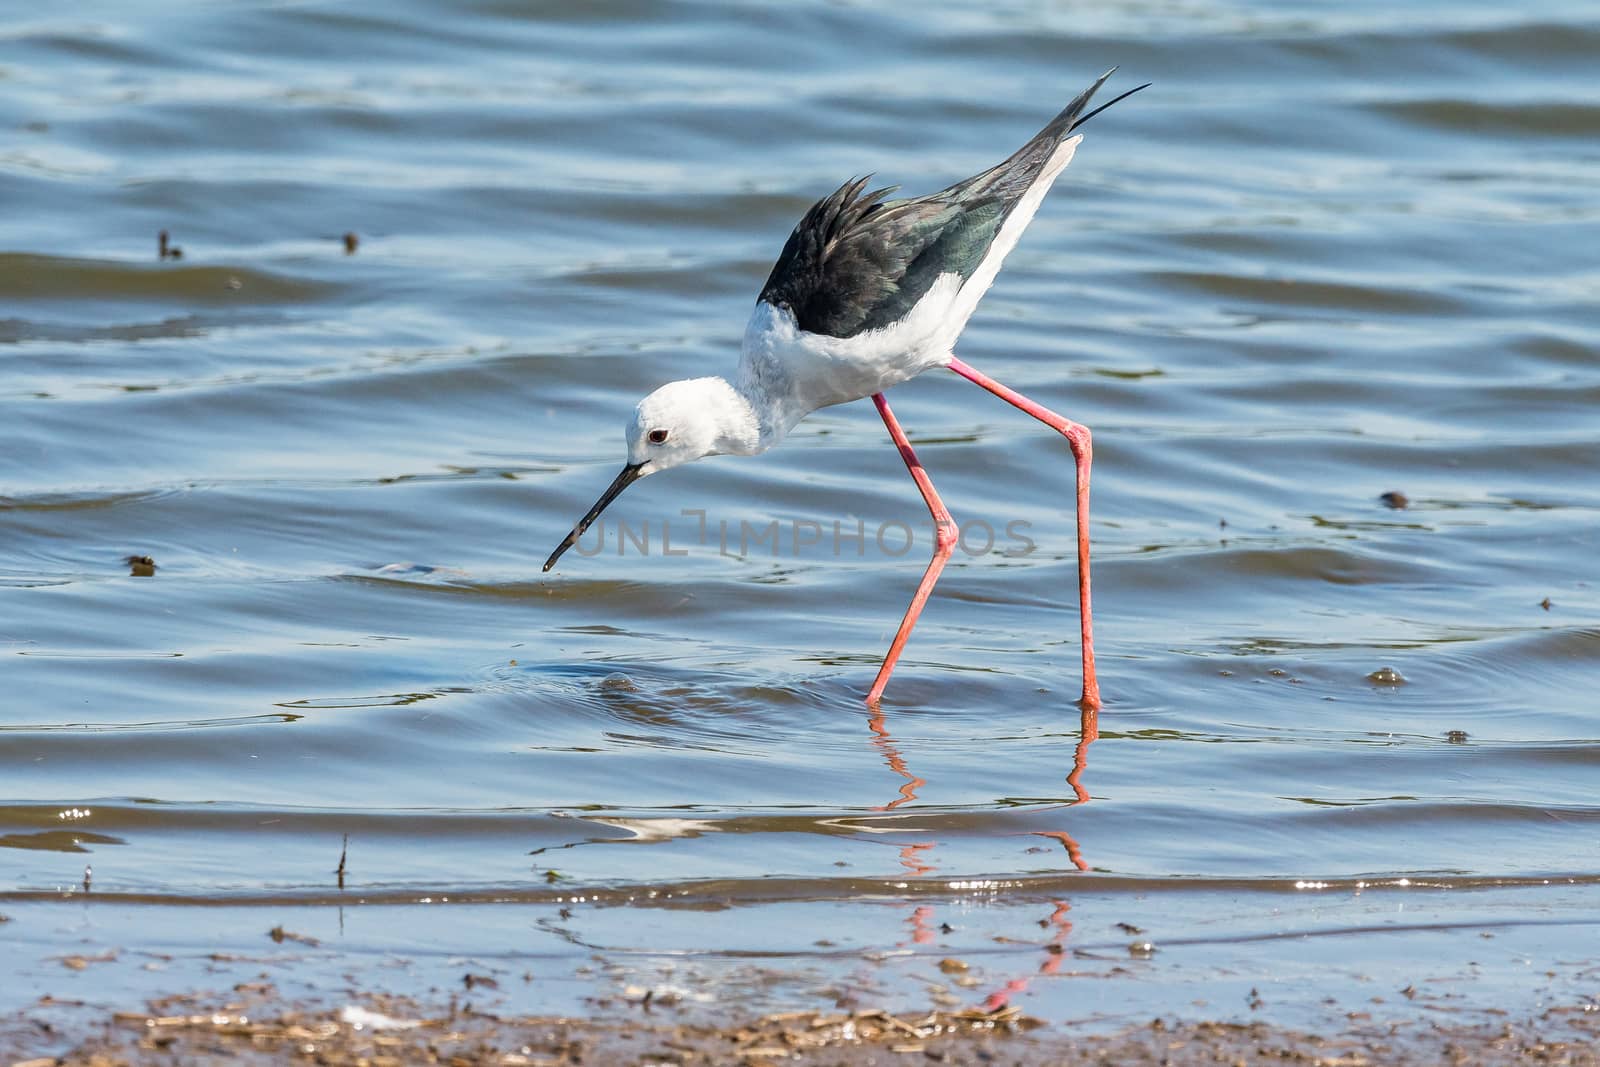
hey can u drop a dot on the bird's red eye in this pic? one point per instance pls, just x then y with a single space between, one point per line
658 437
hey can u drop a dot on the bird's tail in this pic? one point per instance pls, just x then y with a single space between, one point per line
1013 177
1072 116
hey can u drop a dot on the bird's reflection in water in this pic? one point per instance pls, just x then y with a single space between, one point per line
921 923
1074 853
1055 950
1089 730
896 762
916 864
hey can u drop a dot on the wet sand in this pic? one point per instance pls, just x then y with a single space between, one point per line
272 517
311 990
251 1024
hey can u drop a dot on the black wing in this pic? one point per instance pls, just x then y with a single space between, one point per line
859 262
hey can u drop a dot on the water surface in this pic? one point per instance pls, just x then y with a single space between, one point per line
1333 252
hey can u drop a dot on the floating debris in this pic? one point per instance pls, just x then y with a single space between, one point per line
1395 499
365 1019
1545 603
140 566
1142 950
1386 676
81 963
351 243
165 249
280 935
1456 737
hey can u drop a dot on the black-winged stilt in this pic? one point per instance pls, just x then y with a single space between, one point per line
867 293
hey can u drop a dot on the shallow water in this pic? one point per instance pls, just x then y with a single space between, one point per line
1330 253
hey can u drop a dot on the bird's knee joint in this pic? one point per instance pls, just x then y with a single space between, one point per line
1080 439
945 537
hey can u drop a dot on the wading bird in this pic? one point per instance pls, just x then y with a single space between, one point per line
867 293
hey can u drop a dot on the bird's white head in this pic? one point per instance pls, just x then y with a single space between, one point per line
688 420
677 424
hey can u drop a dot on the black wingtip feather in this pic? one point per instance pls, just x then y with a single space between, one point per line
842 209
1085 118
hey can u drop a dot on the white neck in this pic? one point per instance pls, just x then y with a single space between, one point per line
732 417
771 416
766 379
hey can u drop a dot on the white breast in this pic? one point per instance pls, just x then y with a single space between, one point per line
806 371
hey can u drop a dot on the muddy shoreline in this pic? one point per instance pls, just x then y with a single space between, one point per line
253 1024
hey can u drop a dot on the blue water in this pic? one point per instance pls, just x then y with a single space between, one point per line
1334 251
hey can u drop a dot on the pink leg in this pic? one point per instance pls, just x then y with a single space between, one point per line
944 543
1079 441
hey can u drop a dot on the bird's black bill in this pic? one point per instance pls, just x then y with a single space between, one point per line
630 474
